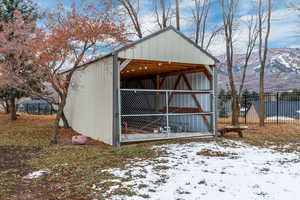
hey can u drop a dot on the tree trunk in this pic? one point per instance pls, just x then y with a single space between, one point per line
261 99
6 107
58 117
13 111
164 17
235 109
177 15
65 121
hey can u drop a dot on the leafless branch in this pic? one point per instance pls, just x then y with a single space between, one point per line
133 13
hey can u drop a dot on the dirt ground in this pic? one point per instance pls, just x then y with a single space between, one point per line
24 148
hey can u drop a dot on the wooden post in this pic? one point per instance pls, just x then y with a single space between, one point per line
174 88
206 122
157 82
157 86
145 96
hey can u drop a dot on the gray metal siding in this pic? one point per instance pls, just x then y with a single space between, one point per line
89 107
167 46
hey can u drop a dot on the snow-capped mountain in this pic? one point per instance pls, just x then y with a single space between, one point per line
282 71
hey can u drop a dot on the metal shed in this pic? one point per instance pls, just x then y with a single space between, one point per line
160 87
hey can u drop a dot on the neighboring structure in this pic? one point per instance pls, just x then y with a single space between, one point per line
160 87
36 107
281 110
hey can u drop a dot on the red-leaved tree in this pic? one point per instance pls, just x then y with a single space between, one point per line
17 40
72 37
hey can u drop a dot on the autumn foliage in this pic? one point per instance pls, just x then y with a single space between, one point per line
71 37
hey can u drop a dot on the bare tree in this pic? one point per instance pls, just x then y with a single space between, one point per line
200 12
177 14
294 5
229 8
252 25
228 14
264 15
132 8
162 11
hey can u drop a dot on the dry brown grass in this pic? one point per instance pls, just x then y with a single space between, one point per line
271 135
24 147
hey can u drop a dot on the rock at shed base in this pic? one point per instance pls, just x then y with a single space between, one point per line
80 139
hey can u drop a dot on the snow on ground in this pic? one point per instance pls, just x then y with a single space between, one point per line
241 172
279 118
37 174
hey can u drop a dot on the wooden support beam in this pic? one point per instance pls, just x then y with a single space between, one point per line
174 72
145 96
153 81
162 81
208 70
174 88
124 64
157 82
206 122
157 98
160 63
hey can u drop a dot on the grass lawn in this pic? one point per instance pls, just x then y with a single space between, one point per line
24 148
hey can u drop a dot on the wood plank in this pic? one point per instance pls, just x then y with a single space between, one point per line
170 72
140 61
162 81
174 88
206 122
157 86
124 64
143 68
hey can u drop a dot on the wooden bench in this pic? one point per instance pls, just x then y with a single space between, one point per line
237 129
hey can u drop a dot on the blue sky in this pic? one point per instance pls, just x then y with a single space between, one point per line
285 21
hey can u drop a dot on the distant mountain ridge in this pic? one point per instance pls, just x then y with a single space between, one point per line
282 71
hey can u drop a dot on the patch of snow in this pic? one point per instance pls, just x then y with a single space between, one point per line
287 64
243 109
279 118
37 174
247 173
257 67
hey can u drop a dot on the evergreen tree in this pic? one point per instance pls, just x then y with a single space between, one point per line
223 99
290 96
246 99
9 94
26 7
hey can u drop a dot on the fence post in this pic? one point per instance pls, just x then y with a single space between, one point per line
38 108
245 110
167 111
277 105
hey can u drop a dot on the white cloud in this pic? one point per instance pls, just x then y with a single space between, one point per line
283 32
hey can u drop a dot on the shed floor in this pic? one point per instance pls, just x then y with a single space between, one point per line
161 136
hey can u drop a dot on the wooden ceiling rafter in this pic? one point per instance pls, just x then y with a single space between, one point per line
149 69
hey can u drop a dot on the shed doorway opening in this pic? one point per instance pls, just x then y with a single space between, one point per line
165 100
